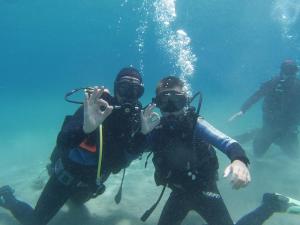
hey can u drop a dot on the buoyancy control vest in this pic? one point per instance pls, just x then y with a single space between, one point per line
181 159
118 131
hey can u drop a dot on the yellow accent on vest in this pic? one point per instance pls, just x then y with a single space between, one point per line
98 179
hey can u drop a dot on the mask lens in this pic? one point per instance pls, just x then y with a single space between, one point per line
171 101
129 90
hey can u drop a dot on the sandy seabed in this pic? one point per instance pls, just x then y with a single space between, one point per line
274 173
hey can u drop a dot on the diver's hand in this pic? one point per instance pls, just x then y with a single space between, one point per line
240 174
96 110
233 117
149 119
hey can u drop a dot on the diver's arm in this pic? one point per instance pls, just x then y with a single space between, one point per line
149 119
96 110
264 89
224 143
72 133
260 93
237 170
251 101
74 130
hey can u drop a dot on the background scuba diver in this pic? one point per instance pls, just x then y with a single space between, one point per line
185 160
77 151
281 112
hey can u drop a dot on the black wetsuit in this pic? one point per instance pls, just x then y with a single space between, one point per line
185 161
76 167
281 115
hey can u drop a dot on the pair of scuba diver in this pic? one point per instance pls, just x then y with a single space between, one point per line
281 113
108 132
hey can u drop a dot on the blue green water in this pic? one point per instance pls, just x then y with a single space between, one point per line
223 48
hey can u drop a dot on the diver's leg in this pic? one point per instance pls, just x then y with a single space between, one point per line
53 197
262 142
210 205
83 192
290 145
247 136
81 196
175 210
20 210
271 204
257 216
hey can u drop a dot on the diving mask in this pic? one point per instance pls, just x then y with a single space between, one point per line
171 101
130 89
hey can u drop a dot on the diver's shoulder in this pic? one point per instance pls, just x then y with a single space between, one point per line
203 124
273 81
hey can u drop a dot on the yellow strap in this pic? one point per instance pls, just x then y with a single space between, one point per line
98 180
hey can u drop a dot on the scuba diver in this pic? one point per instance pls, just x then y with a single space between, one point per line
185 161
102 137
281 112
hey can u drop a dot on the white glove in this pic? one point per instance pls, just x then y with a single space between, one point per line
240 174
96 110
149 119
238 114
